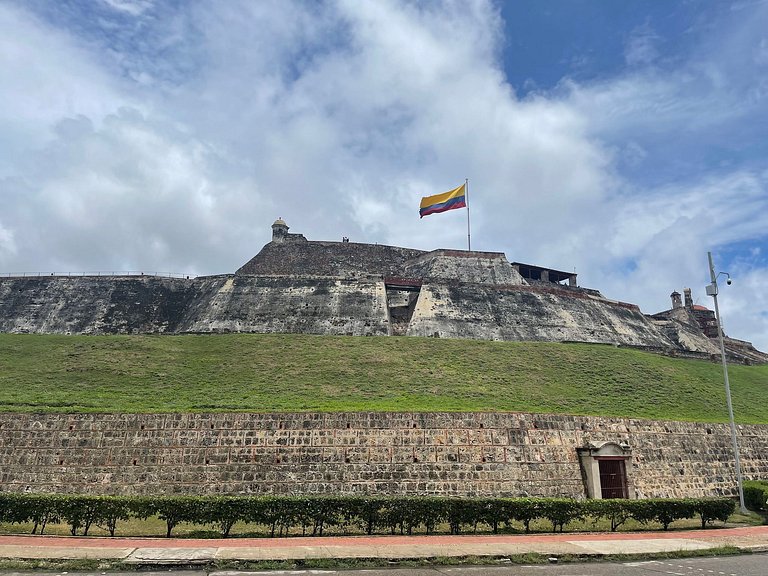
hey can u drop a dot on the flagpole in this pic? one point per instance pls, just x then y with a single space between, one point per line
466 193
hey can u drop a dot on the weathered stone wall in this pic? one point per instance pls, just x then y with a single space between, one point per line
341 259
298 305
485 308
146 304
97 304
503 454
531 314
462 266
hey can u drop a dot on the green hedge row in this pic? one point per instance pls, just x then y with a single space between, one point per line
370 514
756 495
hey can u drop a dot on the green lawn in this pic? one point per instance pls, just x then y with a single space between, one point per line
277 372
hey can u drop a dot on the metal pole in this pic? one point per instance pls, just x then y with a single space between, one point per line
727 385
466 194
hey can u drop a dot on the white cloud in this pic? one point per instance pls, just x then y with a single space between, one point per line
7 242
640 47
132 195
132 7
46 75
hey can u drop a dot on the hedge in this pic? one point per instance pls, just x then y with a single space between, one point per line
756 495
370 514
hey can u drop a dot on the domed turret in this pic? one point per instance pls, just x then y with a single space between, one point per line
279 230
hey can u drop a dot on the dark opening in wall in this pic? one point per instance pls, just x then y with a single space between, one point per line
604 469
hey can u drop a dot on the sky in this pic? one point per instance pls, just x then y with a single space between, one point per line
622 140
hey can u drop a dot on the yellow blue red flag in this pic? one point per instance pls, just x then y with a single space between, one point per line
450 200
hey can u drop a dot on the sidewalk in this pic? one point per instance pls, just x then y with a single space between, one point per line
171 551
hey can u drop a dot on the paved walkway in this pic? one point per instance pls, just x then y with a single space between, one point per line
169 551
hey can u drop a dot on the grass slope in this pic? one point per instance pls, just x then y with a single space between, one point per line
275 373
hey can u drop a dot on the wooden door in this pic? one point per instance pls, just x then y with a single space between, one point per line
613 478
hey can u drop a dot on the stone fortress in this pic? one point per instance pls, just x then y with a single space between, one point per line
342 288
294 285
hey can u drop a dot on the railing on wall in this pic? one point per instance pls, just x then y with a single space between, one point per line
96 273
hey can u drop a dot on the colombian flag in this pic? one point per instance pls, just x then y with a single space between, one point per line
450 200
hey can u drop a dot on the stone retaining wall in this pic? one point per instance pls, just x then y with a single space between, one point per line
502 454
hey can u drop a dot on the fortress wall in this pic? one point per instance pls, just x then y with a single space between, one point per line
297 304
475 267
499 454
95 304
528 313
148 304
329 259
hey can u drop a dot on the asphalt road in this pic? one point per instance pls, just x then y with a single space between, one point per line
743 565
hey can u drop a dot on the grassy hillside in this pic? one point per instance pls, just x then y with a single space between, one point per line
302 373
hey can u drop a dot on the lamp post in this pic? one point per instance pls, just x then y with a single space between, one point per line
712 291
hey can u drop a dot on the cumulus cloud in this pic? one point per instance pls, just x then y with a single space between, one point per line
46 75
126 196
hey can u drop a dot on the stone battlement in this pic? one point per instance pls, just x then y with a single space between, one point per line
339 259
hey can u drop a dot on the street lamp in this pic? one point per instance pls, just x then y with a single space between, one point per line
712 291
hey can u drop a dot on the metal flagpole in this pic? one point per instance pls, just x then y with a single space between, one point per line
466 194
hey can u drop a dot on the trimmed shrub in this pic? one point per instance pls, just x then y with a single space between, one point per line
711 509
526 510
314 514
664 510
79 512
560 511
222 512
175 509
756 495
366 512
617 511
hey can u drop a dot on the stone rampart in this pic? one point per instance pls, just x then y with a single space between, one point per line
529 313
469 295
461 266
297 305
97 304
146 305
500 454
340 259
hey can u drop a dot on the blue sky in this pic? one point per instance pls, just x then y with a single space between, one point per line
620 139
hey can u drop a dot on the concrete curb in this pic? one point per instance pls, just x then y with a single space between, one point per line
147 552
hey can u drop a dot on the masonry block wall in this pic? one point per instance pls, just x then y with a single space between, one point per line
500 454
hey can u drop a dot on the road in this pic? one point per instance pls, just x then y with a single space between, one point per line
743 565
